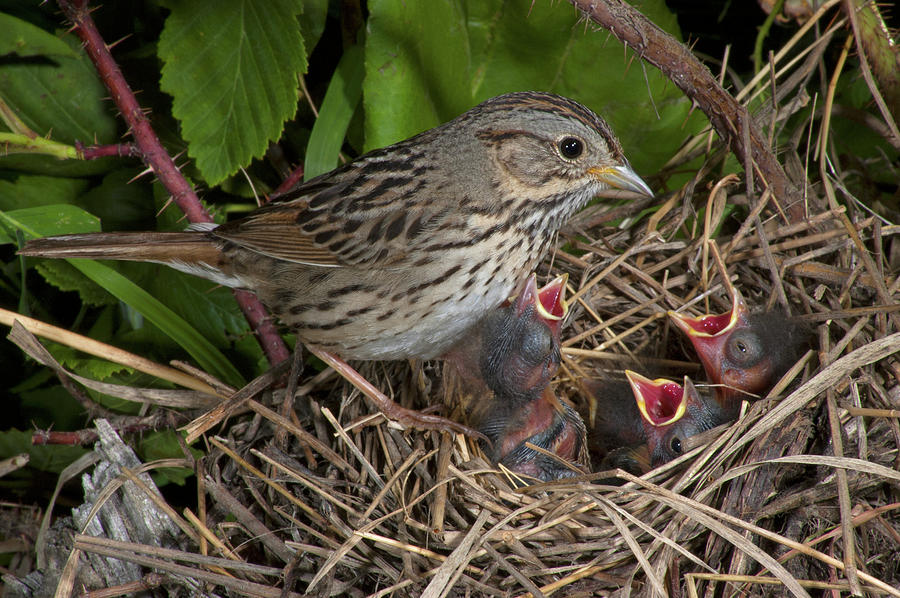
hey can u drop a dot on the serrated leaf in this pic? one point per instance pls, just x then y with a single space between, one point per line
335 113
231 68
24 39
44 221
66 277
417 68
89 367
29 191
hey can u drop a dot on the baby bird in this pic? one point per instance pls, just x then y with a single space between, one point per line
744 354
519 354
644 423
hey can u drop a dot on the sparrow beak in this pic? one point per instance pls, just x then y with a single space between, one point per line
661 402
622 177
708 334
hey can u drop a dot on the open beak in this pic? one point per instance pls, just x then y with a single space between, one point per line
709 332
622 177
713 325
661 402
549 301
551 305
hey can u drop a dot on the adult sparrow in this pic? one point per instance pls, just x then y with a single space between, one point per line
398 253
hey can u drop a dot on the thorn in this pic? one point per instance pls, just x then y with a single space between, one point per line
112 45
165 205
147 170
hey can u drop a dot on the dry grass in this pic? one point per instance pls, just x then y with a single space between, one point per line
799 496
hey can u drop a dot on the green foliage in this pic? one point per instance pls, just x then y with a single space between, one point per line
228 82
417 68
231 68
221 85
426 63
24 39
334 116
39 190
164 445
53 88
44 458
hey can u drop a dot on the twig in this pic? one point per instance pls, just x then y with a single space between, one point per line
677 62
159 160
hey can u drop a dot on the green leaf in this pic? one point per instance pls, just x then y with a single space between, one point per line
24 39
39 222
51 407
425 66
207 356
542 45
64 97
231 68
417 68
44 221
164 445
52 458
66 277
120 203
312 23
335 113
28 191
91 367
210 309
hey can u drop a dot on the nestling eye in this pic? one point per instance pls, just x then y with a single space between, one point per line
744 348
570 147
675 444
537 345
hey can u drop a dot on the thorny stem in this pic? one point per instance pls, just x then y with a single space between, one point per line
677 63
121 150
159 160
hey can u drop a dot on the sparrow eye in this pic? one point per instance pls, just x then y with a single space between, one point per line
675 444
570 147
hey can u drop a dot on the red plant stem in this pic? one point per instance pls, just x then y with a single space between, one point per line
86 436
159 160
292 179
675 60
119 150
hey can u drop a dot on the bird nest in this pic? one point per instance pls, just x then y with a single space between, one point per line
329 498
798 494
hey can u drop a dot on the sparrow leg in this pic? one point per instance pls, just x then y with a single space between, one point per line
390 409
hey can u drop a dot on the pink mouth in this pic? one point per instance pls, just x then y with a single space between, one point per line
552 297
710 325
661 402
